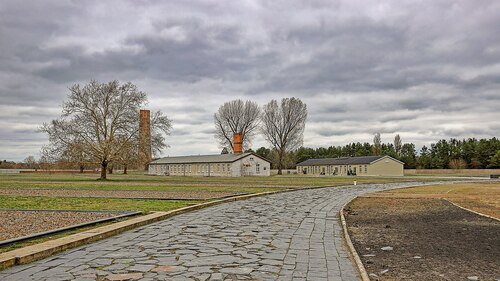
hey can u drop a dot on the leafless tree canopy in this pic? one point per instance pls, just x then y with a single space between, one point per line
103 118
283 125
377 144
236 117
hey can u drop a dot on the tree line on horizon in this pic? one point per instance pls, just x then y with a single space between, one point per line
468 153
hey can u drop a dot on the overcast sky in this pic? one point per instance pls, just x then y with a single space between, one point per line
424 69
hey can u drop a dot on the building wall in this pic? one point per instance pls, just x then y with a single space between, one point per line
338 170
385 167
248 166
251 165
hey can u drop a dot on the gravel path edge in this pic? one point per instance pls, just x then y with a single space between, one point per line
472 211
61 229
352 251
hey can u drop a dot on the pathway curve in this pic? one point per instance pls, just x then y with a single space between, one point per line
287 236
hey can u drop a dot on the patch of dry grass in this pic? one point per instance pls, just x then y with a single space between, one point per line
480 197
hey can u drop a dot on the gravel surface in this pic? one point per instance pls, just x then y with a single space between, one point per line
423 239
14 223
142 194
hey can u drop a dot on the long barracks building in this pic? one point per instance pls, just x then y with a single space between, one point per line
360 166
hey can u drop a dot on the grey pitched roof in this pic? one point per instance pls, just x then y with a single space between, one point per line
360 160
214 158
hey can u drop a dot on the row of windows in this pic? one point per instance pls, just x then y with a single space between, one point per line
343 169
203 168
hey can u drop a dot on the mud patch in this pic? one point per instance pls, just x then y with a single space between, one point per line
431 239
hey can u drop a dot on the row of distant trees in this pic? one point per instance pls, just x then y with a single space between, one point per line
445 154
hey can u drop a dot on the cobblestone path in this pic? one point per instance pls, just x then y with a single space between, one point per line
287 236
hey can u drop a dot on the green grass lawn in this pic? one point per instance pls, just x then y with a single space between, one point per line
72 203
139 181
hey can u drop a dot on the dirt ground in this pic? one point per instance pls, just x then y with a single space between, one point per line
431 239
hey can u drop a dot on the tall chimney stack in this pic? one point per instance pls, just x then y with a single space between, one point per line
145 154
237 143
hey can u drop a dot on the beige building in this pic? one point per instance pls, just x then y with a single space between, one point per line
219 165
345 166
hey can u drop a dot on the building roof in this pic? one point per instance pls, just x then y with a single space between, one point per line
213 158
360 160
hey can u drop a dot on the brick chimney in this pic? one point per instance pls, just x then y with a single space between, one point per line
237 143
145 154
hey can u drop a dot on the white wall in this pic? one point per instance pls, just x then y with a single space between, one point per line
247 166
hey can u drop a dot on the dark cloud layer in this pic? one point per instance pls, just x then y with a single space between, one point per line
426 70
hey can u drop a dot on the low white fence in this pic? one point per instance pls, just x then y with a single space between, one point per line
13 171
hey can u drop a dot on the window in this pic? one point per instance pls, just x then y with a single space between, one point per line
366 169
223 167
257 168
251 158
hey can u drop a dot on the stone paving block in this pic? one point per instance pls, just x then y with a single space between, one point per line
141 267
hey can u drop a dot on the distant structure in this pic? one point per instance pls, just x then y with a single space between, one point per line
237 143
346 166
145 154
218 165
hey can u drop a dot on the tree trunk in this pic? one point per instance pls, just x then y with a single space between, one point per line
125 169
104 169
81 169
110 169
280 163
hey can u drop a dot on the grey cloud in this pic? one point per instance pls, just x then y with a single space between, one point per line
361 67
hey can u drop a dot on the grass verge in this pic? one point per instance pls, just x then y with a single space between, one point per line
108 204
480 197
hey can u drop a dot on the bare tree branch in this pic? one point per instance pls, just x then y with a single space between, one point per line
100 122
236 117
283 126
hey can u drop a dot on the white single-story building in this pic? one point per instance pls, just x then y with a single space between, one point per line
360 166
218 165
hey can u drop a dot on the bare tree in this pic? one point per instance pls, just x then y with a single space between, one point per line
236 117
377 144
283 126
30 162
160 126
103 117
398 144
